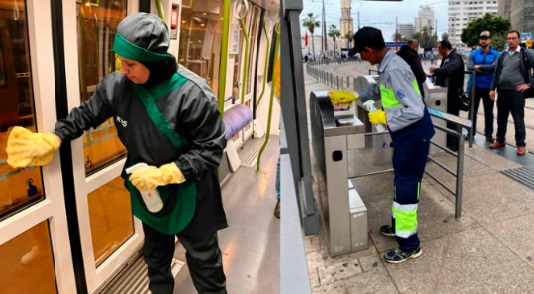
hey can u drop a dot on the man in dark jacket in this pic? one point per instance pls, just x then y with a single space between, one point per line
408 52
450 74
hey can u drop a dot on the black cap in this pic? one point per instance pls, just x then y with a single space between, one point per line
366 37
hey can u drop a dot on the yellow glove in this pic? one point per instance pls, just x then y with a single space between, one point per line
341 97
151 177
378 117
25 148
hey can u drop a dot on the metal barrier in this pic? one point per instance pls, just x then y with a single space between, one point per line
459 174
471 113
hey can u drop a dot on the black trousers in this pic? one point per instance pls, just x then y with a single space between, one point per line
511 101
483 94
204 260
453 107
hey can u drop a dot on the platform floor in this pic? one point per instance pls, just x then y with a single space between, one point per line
251 243
490 249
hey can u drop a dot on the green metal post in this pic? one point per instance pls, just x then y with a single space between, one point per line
269 117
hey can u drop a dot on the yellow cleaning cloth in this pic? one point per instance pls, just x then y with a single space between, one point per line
342 97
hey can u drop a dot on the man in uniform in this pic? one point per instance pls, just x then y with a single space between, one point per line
410 128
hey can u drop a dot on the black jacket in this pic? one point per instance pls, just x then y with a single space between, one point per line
190 110
414 61
450 74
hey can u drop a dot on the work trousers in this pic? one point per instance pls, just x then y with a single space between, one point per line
483 94
409 160
511 101
204 260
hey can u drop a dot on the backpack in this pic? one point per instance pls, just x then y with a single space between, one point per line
527 72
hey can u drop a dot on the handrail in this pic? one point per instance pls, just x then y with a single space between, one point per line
160 11
224 55
266 64
269 117
247 48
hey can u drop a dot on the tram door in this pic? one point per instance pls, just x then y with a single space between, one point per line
109 233
35 255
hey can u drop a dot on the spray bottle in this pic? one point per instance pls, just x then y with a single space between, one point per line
370 105
152 199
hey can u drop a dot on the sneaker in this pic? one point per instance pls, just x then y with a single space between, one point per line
387 230
277 210
398 256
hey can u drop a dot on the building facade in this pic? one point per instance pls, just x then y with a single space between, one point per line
405 29
346 25
461 12
425 18
522 15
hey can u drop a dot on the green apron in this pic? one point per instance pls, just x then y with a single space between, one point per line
170 219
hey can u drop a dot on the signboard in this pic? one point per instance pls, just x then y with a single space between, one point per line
526 36
394 44
174 17
529 43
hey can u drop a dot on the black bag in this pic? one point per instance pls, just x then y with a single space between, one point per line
464 100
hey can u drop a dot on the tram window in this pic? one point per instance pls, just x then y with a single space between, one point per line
110 217
28 264
200 39
18 188
97 25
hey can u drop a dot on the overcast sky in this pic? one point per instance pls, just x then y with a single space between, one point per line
379 14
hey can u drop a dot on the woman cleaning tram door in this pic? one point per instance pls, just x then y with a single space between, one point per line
410 128
166 117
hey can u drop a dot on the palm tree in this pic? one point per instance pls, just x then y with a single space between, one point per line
333 32
311 23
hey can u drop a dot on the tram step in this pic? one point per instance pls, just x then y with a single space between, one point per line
134 279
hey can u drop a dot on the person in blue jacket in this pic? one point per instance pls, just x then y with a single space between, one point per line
482 61
167 117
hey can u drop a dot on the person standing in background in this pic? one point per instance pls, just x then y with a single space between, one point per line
510 80
482 62
450 74
409 53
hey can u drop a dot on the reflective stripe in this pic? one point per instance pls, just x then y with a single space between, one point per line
404 235
388 97
405 207
416 87
405 219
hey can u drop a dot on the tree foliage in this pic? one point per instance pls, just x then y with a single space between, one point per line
311 23
425 39
496 25
333 33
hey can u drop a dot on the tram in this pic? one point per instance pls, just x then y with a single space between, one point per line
60 231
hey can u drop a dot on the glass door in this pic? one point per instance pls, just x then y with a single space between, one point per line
109 233
35 251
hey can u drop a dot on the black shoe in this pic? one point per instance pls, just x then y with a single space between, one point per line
387 230
398 256
277 210
453 148
489 139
